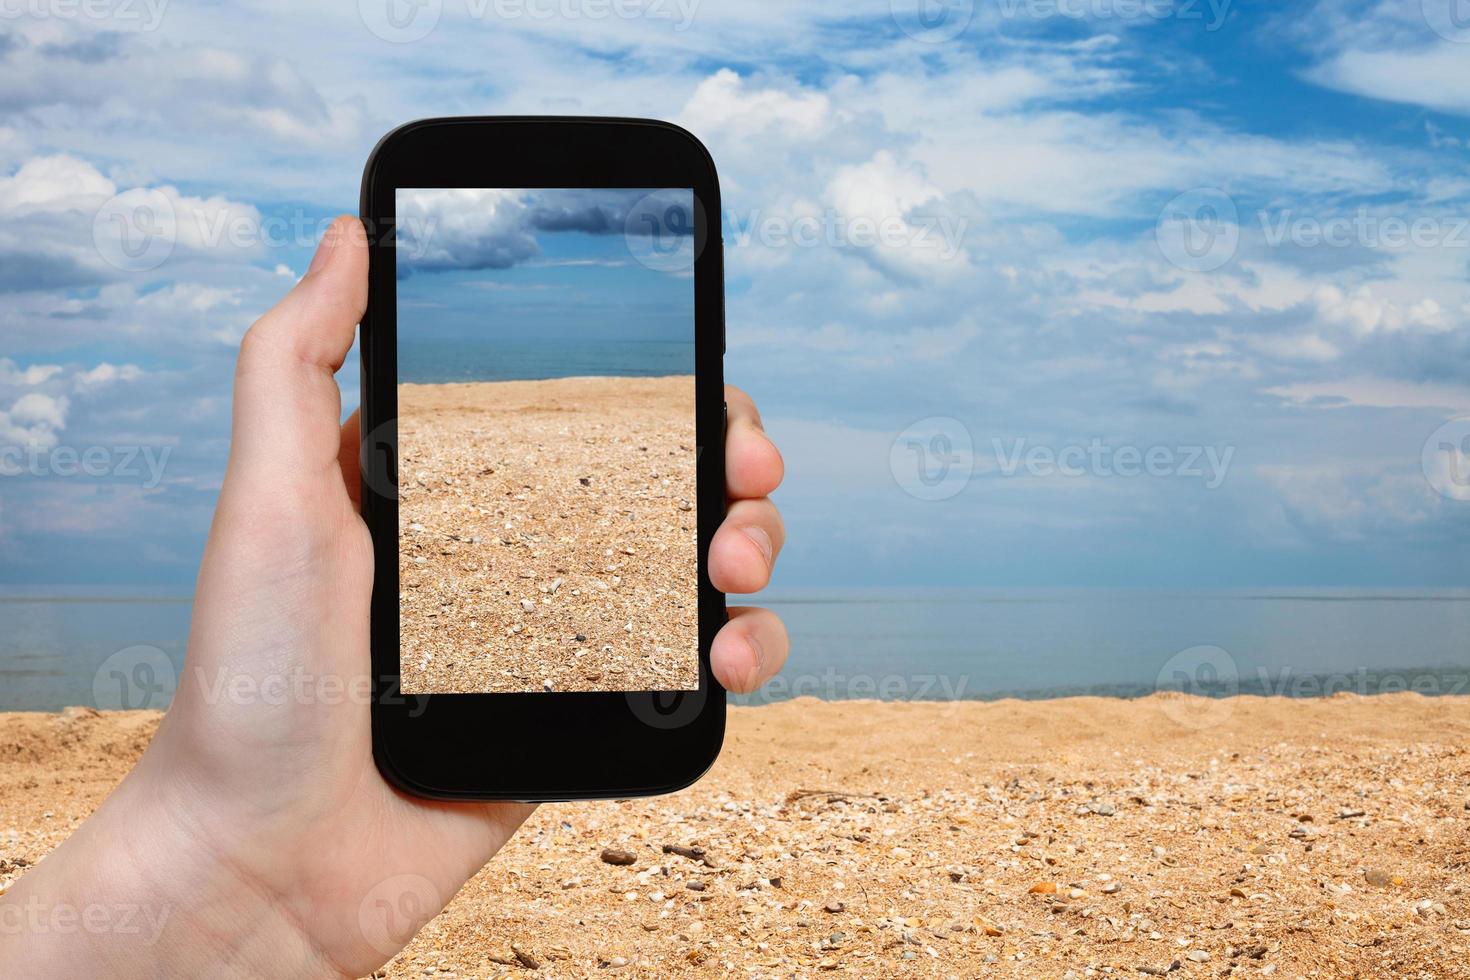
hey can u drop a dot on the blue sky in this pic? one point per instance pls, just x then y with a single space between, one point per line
957 248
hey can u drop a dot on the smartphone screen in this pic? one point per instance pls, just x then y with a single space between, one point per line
547 511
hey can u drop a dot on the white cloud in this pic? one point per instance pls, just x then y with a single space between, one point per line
725 103
63 224
33 421
1371 392
12 375
1364 313
106 373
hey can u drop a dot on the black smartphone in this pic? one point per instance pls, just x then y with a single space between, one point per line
543 456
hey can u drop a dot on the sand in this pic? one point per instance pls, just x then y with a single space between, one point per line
548 536
1082 837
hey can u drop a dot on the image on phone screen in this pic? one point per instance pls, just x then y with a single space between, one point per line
546 440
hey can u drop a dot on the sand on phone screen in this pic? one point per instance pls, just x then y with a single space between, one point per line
548 536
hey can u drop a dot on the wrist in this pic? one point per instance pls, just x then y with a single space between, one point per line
138 892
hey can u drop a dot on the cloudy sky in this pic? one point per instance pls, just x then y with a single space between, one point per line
1030 291
498 284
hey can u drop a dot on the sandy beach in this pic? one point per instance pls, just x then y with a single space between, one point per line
1082 837
549 536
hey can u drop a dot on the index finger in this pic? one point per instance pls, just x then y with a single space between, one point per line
753 464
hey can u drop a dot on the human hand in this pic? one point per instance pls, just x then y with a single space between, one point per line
258 827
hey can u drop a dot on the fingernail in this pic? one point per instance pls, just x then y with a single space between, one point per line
761 538
324 249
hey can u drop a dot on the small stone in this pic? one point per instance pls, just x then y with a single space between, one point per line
1379 878
527 605
1043 888
834 907
1198 956
611 855
1104 809
695 886
586 481
1112 888
580 638
526 958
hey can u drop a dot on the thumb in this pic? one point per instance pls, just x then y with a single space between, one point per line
287 406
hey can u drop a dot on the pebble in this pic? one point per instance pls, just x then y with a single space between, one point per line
834 907
1379 878
527 605
528 960
611 855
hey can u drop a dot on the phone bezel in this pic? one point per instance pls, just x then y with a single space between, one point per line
538 746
